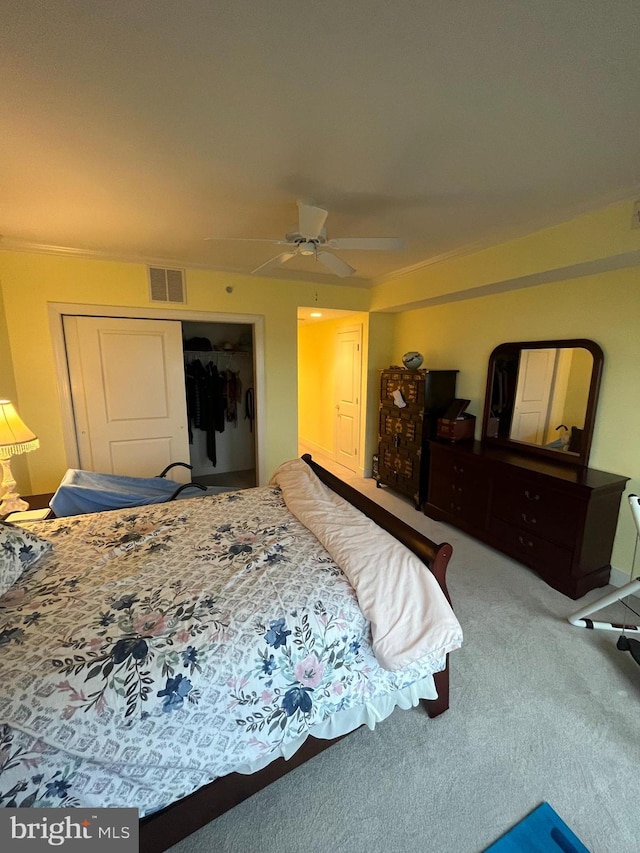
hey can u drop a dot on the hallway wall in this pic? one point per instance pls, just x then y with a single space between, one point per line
317 382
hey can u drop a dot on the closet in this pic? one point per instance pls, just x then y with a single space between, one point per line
219 381
124 403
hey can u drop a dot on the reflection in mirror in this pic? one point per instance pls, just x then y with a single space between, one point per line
550 396
543 396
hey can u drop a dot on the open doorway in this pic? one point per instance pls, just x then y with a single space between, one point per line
218 362
330 387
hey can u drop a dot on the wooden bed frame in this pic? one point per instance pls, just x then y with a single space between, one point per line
161 830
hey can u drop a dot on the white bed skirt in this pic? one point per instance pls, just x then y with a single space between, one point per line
349 719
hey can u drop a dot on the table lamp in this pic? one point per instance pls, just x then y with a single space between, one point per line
15 438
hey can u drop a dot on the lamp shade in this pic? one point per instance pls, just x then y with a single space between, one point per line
15 437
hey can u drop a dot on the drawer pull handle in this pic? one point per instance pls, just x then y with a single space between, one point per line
526 542
458 469
531 496
529 519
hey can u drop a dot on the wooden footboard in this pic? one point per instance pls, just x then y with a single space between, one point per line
435 557
165 828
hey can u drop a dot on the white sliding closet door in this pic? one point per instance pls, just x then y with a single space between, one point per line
128 393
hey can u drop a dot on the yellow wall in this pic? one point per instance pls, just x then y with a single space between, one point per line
30 281
579 279
316 381
604 308
596 241
380 356
577 388
8 392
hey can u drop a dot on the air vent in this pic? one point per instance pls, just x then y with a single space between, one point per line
166 285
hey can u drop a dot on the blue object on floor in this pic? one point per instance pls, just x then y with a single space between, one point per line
542 831
87 491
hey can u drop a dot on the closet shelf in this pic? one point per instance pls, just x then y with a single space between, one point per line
208 352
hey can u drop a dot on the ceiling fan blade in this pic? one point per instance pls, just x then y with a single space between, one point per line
275 262
385 244
311 220
335 264
248 240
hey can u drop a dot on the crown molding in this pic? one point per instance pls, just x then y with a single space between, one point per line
11 245
531 227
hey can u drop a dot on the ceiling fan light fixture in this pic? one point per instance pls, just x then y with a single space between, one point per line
307 247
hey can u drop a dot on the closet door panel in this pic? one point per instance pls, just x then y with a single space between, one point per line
128 395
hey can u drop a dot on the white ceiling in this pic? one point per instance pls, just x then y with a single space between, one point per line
135 130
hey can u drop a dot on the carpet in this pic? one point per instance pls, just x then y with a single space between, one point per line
541 711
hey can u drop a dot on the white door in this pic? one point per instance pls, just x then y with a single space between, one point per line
128 393
348 371
533 395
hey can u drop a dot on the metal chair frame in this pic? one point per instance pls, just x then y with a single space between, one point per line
580 620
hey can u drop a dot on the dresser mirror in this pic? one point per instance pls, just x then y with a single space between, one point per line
541 398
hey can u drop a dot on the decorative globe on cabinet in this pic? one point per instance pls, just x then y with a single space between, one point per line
412 360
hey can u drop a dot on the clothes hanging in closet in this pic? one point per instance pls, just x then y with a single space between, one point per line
206 403
233 394
249 408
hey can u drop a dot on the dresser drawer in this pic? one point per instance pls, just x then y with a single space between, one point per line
459 487
400 428
456 466
545 557
467 505
539 509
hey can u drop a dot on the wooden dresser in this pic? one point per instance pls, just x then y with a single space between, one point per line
557 519
403 433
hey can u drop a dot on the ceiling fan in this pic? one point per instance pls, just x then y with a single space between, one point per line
310 239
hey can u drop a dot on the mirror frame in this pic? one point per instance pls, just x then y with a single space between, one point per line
579 459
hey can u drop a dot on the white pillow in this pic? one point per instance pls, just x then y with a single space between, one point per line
19 549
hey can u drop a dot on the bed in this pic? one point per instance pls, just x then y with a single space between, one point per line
180 657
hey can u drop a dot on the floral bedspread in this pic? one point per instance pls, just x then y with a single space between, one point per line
154 650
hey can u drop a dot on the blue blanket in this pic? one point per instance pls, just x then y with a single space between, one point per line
87 491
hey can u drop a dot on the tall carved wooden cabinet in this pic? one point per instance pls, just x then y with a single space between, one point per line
411 401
